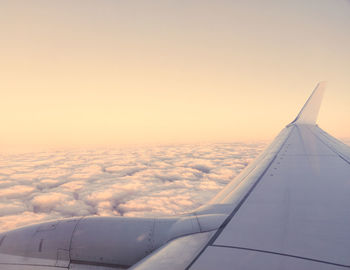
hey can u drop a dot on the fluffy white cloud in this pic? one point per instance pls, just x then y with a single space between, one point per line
143 181
49 201
16 191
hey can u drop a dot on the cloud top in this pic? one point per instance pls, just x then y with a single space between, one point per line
143 181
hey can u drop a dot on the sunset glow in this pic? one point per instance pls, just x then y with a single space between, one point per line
76 73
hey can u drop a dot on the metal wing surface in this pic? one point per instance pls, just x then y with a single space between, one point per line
291 206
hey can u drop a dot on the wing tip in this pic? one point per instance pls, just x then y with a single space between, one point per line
322 84
309 112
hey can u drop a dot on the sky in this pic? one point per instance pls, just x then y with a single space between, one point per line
99 73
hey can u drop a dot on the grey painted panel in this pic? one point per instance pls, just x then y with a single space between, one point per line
123 241
238 259
176 254
300 207
28 267
43 244
74 266
111 240
98 242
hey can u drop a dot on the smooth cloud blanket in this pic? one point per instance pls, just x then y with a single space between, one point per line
138 181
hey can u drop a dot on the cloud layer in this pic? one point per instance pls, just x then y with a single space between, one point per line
139 181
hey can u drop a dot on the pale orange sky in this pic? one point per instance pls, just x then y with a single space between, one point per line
123 72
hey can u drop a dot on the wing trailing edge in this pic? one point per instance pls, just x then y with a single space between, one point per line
309 113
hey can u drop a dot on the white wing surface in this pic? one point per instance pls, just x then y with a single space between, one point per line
291 207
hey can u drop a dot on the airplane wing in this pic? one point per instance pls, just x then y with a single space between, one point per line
289 209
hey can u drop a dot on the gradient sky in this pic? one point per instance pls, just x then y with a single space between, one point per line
122 72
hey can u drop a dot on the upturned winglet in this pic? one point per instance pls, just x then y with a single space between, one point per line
309 112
